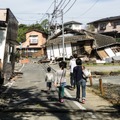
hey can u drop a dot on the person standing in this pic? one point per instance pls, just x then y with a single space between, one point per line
49 78
80 81
61 80
72 64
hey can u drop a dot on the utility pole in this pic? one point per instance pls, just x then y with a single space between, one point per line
63 35
48 14
55 16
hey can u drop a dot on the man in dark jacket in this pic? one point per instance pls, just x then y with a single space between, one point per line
80 82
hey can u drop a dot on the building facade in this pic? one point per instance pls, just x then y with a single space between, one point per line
107 26
34 46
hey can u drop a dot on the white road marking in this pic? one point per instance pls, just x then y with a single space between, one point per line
75 102
21 67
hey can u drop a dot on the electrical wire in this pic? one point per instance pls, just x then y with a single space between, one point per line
90 8
46 12
26 19
70 7
36 13
56 9
63 4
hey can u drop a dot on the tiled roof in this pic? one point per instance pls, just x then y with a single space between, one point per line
68 39
72 22
99 39
106 19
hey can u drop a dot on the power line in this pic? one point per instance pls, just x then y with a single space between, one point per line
26 19
64 3
70 7
56 9
46 11
90 8
63 7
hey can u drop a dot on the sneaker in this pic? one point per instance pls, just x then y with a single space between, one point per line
83 101
61 100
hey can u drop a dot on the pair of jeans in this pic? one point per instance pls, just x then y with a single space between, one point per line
72 82
81 84
61 90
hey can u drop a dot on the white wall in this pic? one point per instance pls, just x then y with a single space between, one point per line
61 50
2 43
68 50
49 52
57 51
76 27
109 52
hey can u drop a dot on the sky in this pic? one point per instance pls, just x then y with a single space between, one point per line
83 11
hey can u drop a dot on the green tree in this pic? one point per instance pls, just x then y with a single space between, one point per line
45 25
36 26
24 28
21 32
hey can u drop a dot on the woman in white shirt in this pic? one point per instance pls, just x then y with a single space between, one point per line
61 80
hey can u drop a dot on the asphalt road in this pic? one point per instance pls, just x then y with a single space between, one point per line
26 99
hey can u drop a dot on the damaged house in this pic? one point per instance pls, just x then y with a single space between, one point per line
87 45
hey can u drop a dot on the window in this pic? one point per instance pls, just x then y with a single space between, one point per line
102 26
34 39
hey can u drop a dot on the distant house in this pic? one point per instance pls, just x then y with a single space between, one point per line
83 42
34 46
71 25
107 26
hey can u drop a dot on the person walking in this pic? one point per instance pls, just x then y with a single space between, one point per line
49 78
80 81
61 80
72 64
